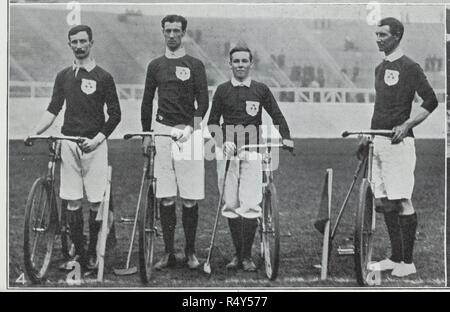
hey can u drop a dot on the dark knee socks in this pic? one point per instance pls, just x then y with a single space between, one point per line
408 226
402 234
248 235
94 228
76 224
190 221
168 223
235 225
395 236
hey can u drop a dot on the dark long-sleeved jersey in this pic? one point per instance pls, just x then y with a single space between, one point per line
396 84
180 81
85 95
242 106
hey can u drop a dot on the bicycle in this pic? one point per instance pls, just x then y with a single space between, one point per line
44 218
269 221
147 211
365 220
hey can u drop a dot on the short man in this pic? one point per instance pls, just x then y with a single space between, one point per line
85 87
397 79
240 102
179 166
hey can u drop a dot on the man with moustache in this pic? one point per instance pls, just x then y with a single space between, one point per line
85 88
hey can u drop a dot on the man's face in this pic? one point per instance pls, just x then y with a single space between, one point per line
80 45
173 34
385 40
240 65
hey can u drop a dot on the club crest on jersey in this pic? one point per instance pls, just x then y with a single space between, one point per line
252 107
88 86
391 77
183 73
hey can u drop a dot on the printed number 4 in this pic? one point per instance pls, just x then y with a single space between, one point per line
21 279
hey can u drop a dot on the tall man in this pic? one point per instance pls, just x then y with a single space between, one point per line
181 80
397 79
85 88
240 102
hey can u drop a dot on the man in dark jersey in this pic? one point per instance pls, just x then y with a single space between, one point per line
179 166
85 88
240 102
397 79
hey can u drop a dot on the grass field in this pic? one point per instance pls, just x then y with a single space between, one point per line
299 182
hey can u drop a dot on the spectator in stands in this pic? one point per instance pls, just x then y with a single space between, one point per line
320 77
355 73
397 79
181 81
85 88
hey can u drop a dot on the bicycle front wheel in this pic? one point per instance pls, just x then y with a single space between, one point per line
39 230
270 232
364 233
147 235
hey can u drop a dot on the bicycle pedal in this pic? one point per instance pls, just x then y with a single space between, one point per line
346 250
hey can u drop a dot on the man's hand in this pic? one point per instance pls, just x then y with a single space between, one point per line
181 135
400 132
27 141
145 144
229 149
288 144
363 148
89 145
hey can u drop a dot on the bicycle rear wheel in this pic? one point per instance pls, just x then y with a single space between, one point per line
147 235
40 225
270 232
364 233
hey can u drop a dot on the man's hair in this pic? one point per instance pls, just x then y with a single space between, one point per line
240 49
79 28
175 19
395 26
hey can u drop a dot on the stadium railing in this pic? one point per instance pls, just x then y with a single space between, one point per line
36 89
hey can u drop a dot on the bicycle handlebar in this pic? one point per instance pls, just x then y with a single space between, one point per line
386 133
145 134
29 140
266 145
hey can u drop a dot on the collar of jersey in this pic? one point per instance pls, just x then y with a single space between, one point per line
398 53
245 83
88 67
175 54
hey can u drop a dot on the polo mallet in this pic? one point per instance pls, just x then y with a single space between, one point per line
127 270
207 265
103 214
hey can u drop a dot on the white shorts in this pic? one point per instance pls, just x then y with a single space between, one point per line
393 168
83 170
179 167
243 186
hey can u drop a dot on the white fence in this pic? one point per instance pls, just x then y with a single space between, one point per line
34 89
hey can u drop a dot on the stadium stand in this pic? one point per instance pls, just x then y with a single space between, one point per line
125 46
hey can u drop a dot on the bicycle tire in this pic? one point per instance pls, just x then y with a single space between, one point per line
147 235
67 247
270 230
363 237
39 230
